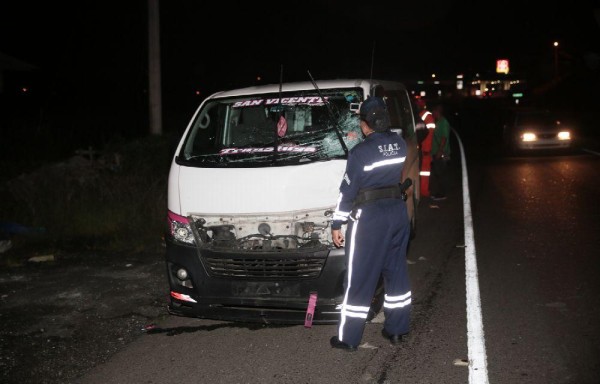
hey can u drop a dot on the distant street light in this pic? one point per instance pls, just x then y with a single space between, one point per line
556 59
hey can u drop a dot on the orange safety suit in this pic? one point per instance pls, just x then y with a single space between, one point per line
426 158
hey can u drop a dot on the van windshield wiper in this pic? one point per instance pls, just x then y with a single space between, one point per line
332 116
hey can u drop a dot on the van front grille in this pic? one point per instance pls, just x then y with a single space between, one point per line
296 266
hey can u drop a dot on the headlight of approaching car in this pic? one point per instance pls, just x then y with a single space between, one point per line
564 135
528 136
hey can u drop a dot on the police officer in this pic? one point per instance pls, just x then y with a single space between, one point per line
378 229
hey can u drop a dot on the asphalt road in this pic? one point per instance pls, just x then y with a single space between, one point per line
537 226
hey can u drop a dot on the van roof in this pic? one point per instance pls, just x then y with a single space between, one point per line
303 85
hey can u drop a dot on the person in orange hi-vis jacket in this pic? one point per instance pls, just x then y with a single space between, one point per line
425 135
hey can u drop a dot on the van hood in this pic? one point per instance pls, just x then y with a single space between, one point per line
255 190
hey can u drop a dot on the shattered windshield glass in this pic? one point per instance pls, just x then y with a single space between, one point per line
290 128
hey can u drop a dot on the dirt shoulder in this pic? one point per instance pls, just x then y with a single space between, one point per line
61 317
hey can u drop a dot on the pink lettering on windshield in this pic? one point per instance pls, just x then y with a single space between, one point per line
306 100
281 148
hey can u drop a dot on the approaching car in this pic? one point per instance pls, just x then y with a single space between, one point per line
536 130
252 189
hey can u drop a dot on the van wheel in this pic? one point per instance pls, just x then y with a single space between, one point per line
377 302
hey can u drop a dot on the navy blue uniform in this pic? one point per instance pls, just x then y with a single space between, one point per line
376 237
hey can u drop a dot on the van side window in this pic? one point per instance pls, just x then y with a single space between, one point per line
204 133
401 115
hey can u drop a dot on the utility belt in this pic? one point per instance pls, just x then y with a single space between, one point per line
397 191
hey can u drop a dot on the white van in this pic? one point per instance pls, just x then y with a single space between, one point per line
252 188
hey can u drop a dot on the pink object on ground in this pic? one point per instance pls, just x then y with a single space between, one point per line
310 311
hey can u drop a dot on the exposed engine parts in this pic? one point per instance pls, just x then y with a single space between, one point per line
262 236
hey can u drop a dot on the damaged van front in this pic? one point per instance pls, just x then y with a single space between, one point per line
252 189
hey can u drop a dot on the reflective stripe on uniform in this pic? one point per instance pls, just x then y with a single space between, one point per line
350 259
428 119
355 311
383 163
397 301
340 215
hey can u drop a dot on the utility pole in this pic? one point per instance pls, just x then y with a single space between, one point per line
154 85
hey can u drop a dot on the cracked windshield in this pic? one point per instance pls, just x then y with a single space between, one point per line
286 128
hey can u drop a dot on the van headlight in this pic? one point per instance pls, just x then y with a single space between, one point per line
180 229
564 135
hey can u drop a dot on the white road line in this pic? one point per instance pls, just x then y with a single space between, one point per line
475 337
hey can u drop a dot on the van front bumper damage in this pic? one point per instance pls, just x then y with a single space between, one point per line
266 287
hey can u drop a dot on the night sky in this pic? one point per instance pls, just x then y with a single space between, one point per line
97 51
329 38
